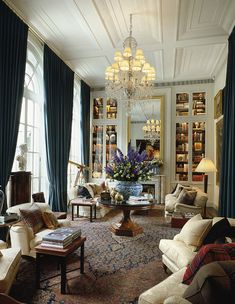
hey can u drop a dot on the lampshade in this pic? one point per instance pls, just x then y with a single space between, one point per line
206 165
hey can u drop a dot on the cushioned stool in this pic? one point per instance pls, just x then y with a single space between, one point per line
9 264
83 202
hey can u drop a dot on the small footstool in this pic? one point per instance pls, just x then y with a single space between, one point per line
83 202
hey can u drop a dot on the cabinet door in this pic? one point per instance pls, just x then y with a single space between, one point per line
97 151
198 148
111 142
98 108
182 151
182 104
198 103
111 108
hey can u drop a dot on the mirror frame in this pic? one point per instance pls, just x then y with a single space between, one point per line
162 116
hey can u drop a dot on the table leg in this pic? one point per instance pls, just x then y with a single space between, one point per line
63 275
90 213
82 259
95 211
37 270
72 212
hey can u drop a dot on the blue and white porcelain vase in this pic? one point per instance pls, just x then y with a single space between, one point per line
128 188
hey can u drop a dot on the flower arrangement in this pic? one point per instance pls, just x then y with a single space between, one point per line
158 162
132 167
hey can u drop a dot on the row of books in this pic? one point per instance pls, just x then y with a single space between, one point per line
61 237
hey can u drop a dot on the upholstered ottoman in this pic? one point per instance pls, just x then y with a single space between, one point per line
9 264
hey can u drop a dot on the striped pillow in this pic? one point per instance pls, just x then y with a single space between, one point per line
32 218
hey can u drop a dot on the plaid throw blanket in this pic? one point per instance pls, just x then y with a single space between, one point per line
207 254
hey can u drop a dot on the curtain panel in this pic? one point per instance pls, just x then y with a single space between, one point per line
85 125
227 178
58 110
13 48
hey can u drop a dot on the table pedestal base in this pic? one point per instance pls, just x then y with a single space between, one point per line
126 227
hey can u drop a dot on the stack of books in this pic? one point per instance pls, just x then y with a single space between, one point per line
61 237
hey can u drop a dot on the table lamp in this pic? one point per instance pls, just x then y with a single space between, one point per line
206 165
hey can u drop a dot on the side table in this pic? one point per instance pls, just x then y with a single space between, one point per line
62 255
83 202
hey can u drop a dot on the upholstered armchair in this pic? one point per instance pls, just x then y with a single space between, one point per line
186 199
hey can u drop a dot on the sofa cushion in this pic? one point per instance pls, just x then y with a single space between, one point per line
194 231
218 230
214 283
32 218
9 263
186 197
179 188
177 251
207 254
50 220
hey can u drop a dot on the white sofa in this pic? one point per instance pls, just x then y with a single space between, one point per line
22 237
177 255
171 204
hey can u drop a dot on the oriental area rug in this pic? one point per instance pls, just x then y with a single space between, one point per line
117 269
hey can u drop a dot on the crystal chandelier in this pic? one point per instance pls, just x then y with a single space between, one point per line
152 130
130 77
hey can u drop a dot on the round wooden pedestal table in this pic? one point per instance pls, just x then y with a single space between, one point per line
126 227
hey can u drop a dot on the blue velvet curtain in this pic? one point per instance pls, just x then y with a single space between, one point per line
58 110
13 47
85 125
227 179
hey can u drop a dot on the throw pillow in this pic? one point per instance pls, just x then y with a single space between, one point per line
212 284
207 254
90 190
194 231
32 217
82 191
50 220
179 188
186 197
218 230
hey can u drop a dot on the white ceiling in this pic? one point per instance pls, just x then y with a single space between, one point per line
182 39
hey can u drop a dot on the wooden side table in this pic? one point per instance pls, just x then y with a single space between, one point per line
83 202
62 255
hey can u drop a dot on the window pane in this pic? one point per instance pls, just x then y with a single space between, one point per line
37 116
29 139
29 70
37 141
35 185
22 114
31 58
29 162
20 139
36 165
30 112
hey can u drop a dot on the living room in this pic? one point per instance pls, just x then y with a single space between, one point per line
65 131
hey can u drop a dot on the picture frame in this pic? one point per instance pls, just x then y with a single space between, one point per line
218 105
219 139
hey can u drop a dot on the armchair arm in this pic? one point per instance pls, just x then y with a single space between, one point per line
188 208
20 237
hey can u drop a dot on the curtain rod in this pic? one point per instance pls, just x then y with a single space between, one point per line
38 36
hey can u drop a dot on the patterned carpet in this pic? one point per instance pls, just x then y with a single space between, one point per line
117 269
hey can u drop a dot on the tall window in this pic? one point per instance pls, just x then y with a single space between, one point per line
31 120
75 148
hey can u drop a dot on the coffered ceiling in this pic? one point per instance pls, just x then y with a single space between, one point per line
182 39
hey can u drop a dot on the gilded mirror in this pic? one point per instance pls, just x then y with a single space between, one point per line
146 126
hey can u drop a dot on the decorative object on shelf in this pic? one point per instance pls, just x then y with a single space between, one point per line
128 170
22 157
130 77
105 195
152 130
206 165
